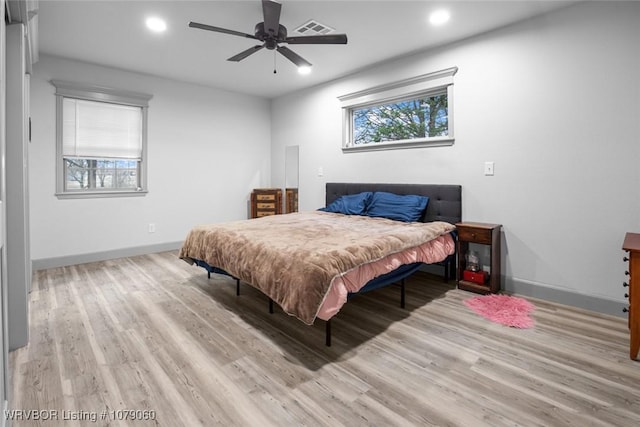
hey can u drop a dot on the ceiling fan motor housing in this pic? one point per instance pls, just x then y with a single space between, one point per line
271 40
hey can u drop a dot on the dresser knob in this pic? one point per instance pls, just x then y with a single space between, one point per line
625 259
626 272
625 310
625 284
626 295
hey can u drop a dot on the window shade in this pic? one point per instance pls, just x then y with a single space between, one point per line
101 130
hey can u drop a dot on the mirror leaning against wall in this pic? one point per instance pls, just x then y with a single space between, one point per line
291 172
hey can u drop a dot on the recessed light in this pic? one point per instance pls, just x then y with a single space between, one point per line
156 24
304 70
439 17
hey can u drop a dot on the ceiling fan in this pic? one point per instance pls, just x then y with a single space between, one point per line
271 33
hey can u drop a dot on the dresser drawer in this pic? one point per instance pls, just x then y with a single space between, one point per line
265 202
262 205
475 235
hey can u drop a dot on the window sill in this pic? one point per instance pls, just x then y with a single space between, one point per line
100 194
397 145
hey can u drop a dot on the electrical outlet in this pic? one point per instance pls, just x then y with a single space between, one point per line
152 228
488 168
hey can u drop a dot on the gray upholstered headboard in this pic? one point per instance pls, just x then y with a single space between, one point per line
445 201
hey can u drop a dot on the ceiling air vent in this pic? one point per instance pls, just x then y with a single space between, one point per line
313 28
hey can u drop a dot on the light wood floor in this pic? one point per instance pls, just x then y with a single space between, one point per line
153 333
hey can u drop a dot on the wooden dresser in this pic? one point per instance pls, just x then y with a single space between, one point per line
632 246
266 201
291 200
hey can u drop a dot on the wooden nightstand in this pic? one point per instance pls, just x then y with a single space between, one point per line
266 201
485 234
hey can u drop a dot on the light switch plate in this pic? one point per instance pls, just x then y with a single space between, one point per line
488 168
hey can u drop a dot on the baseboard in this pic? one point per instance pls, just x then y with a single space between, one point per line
510 285
5 410
563 296
44 263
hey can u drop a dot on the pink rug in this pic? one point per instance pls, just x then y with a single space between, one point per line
503 309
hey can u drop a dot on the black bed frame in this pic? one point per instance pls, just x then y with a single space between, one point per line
445 204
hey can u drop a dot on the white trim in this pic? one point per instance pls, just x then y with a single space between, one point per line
101 93
400 89
99 194
441 141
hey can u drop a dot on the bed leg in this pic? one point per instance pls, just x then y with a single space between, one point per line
402 294
449 269
327 334
208 274
237 287
270 306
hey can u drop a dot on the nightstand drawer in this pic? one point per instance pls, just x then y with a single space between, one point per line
270 197
475 235
260 214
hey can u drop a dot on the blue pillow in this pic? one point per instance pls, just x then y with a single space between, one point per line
353 204
394 206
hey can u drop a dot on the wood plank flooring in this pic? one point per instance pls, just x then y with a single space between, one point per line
153 333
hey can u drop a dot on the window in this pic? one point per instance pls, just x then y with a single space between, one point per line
101 141
410 113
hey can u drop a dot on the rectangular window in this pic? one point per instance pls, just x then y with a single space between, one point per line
101 141
416 118
414 112
83 174
101 145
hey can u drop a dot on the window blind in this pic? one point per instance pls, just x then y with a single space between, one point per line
101 130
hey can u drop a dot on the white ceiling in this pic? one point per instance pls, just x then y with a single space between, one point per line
113 33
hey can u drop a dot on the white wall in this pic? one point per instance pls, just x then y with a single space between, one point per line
553 101
207 149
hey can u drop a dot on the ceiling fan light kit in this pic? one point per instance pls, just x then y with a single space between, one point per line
272 34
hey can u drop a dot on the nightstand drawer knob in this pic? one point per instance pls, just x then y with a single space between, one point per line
626 272
625 310
625 259
625 284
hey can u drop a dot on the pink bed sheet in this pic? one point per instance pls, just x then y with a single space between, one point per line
430 252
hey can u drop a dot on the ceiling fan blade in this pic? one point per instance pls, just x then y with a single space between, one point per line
220 30
326 39
271 12
239 57
293 57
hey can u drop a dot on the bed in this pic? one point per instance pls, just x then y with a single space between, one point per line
311 263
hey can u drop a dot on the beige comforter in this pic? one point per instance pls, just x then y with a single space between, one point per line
294 258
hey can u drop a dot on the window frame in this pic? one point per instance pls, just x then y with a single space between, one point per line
95 93
411 88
